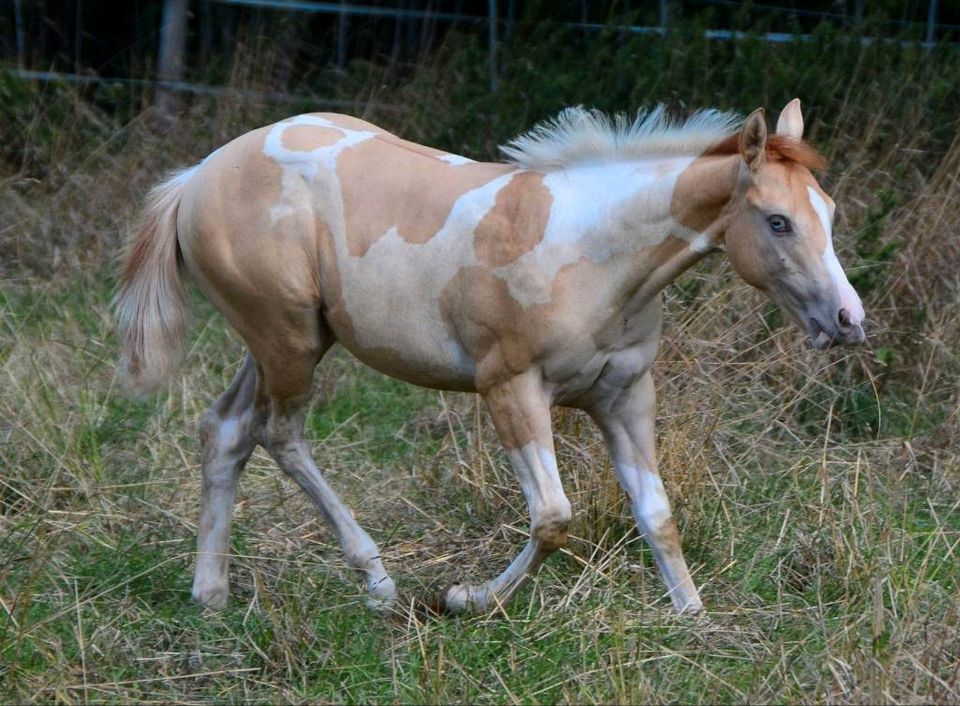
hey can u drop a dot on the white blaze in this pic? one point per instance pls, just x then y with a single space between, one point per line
849 299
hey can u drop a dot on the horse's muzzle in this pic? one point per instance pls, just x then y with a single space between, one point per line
844 332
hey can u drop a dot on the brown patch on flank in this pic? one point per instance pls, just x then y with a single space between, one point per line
516 222
506 339
779 148
413 192
304 138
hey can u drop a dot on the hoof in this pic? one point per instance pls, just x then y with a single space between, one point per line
691 606
212 597
382 595
465 599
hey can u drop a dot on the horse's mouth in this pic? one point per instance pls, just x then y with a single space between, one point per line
820 338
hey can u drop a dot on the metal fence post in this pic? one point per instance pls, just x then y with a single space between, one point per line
492 10
173 46
21 39
342 37
931 24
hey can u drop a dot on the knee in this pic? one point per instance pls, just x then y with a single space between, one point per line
665 537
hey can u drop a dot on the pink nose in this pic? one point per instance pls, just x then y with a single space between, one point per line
851 308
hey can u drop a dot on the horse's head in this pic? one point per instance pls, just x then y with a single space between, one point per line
779 235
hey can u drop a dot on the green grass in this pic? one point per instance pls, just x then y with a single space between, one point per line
816 492
829 576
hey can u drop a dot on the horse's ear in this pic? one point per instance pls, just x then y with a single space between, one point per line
790 122
753 139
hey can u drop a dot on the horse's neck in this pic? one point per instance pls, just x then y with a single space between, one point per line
654 219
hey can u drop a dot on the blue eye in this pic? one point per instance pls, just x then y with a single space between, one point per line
779 224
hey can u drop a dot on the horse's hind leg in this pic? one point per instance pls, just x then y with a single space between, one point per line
228 435
288 384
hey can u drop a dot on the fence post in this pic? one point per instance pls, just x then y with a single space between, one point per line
342 37
173 46
492 10
21 40
931 24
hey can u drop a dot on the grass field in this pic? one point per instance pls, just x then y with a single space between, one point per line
818 494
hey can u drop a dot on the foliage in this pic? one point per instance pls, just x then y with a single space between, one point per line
816 491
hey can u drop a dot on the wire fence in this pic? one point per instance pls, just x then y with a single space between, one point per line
493 21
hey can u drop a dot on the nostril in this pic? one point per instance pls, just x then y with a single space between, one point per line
844 319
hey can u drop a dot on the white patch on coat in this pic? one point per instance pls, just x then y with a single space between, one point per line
455 159
599 211
848 297
648 496
305 164
390 266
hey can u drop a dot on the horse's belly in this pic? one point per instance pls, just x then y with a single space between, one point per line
394 344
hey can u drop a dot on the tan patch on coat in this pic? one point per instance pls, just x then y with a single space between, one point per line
384 188
260 274
304 138
702 190
506 339
667 539
516 223
351 123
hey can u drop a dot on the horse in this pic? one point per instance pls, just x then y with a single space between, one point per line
533 282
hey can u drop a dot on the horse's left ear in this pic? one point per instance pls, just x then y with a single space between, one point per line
753 139
790 122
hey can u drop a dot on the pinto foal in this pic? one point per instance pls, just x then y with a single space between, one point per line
533 283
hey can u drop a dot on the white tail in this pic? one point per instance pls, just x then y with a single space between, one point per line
150 302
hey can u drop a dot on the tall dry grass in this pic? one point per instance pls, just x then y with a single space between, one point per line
817 492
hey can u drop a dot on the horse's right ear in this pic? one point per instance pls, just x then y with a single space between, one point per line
753 139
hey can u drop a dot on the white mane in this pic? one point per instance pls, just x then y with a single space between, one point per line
579 135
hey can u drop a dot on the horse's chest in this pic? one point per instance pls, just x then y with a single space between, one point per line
612 355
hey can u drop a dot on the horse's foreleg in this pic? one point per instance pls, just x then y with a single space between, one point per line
228 435
627 422
521 415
